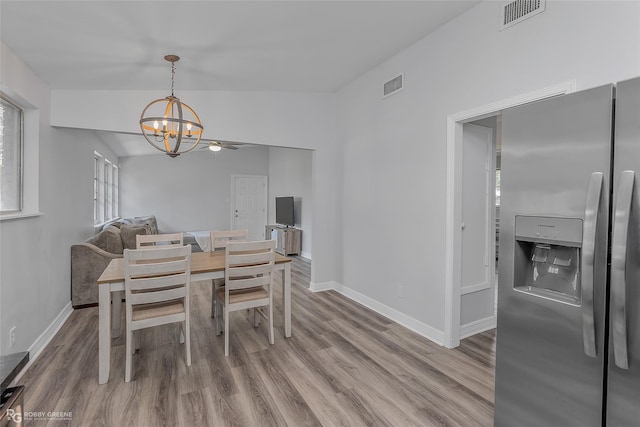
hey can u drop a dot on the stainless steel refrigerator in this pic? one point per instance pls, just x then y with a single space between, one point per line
568 335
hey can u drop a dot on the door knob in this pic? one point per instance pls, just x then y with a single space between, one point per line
462 225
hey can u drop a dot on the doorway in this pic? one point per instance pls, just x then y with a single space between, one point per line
455 125
478 215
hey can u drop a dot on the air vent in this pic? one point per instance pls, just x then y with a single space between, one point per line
517 11
394 85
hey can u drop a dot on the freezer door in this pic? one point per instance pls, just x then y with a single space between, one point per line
556 159
623 390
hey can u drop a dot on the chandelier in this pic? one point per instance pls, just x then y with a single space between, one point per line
169 125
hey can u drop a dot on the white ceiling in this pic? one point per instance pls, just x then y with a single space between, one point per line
314 46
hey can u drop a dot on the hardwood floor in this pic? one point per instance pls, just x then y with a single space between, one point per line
343 366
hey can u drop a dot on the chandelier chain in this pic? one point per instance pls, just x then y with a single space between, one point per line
173 73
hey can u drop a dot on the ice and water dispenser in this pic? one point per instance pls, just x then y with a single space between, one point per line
547 257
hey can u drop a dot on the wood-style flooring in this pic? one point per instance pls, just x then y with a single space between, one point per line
344 365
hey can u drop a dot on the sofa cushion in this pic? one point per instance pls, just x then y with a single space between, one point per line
108 240
128 234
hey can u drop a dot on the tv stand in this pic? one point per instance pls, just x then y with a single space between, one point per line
288 239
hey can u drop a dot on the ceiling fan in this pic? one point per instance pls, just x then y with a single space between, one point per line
217 145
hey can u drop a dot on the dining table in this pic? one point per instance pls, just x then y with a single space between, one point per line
205 266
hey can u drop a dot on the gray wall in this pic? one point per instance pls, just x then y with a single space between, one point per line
290 173
190 192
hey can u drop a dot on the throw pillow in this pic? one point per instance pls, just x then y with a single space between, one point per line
128 234
143 220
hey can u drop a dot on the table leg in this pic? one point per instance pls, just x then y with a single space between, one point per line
104 333
286 279
116 310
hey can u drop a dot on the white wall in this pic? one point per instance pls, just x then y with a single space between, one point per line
290 172
35 272
190 192
296 120
394 150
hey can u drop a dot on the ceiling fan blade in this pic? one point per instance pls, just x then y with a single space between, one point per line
219 144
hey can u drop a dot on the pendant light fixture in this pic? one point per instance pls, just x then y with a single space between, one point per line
169 125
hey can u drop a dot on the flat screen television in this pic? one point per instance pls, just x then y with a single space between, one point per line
284 211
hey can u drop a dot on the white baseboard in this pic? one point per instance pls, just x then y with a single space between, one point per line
324 286
45 338
472 328
306 255
407 321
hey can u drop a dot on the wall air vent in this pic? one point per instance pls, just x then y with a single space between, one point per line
394 85
517 11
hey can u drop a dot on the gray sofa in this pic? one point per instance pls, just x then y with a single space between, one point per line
91 257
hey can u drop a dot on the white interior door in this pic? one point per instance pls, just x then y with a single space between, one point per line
477 243
249 209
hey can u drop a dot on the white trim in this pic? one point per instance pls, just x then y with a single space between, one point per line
305 254
391 313
45 338
324 286
474 288
472 328
20 215
452 250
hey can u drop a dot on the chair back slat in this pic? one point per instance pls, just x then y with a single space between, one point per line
157 296
220 238
145 254
253 270
147 241
155 282
248 282
171 266
238 259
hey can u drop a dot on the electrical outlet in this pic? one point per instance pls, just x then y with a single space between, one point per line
400 291
12 337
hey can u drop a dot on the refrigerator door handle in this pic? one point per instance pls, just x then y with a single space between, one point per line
588 262
622 216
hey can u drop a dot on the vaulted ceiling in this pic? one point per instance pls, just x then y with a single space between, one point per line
312 46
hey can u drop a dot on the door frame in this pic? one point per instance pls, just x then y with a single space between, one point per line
233 197
453 259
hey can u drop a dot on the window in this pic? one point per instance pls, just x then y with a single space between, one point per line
11 143
96 187
105 189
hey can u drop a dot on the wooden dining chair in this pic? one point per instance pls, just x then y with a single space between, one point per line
157 285
219 240
248 276
148 241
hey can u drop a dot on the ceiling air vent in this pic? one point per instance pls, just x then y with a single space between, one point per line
517 11
392 86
